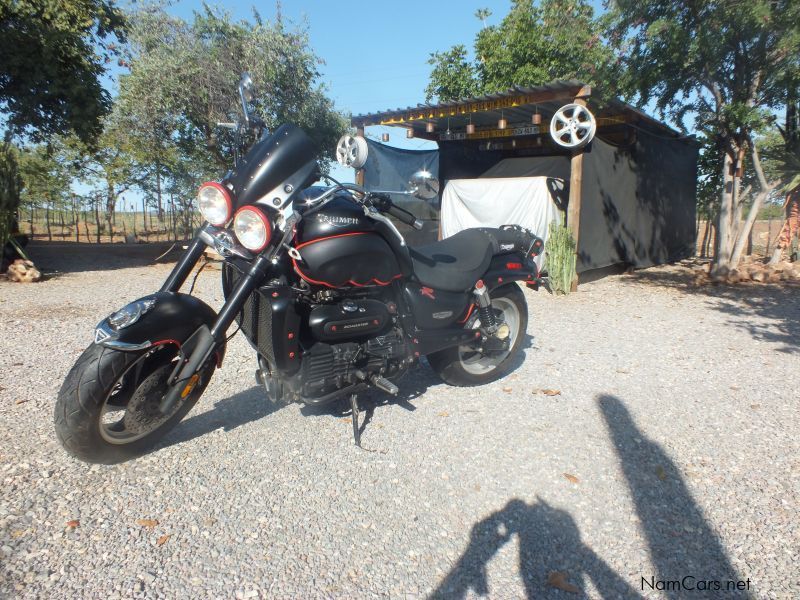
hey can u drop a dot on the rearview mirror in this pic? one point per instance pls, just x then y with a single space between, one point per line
247 89
423 185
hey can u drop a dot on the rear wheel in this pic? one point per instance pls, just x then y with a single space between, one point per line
467 365
108 407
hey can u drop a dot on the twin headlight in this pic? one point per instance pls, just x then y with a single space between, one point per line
251 226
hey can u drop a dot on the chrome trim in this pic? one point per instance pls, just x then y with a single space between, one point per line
117 345
104 335
224 242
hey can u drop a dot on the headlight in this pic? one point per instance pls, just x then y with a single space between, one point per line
252 228
214 202
130 313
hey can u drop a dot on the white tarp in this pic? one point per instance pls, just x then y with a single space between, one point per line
492 202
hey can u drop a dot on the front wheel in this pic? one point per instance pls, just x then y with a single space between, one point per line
108 407
467 365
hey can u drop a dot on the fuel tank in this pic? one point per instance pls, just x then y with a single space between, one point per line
340 247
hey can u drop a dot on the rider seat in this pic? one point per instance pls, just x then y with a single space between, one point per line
454 264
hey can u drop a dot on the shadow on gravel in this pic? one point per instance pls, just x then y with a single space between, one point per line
549 541
55 258
779 303
682 543
230 413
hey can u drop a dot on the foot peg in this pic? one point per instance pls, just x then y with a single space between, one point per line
384 384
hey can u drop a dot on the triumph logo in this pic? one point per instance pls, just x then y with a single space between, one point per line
506 246
337 221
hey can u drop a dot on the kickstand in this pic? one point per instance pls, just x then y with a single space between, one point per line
354 413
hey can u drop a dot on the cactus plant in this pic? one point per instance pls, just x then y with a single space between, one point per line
560 249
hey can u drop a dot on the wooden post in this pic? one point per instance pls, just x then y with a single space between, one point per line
360 172
575 183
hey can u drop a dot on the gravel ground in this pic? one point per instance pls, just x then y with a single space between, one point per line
671 450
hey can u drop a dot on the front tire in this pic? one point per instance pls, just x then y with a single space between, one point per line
105 384
462 366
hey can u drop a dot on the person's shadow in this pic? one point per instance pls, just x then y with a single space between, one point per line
681 541
549 543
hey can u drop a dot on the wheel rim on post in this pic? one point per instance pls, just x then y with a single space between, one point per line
131 409
352 151
476 363
572 126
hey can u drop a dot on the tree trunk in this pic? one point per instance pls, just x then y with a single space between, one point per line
724 245
30 221
704 243
86 226
110 201
47 222
158 193
76 219
748 226
97 217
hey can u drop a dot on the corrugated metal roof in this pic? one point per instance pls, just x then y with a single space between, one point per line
522 101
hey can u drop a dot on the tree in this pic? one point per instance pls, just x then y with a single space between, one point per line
10 184
728 63
183 80
533 45
54 53
45 178
108 167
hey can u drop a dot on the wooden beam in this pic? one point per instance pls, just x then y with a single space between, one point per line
575 184
360 172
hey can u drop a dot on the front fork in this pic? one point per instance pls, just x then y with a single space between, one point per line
199 348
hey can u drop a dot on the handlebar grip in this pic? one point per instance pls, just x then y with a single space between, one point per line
404 217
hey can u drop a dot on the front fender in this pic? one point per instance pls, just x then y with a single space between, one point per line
172 320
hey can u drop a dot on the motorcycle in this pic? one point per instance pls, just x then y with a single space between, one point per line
323 286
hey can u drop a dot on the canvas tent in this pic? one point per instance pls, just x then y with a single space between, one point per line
628 196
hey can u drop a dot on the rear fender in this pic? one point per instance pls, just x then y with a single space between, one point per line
513 266
172 320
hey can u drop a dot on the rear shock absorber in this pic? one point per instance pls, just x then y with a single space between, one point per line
485 311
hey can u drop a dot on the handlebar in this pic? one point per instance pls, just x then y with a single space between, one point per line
384 203
405 217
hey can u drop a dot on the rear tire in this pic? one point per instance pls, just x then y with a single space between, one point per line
100 383
449 364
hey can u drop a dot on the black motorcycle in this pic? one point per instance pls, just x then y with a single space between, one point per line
323 286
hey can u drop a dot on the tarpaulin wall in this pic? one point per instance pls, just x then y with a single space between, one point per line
638 203
390 168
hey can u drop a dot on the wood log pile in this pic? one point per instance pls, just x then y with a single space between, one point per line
23 271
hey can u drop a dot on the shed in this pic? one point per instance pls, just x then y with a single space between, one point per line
630 197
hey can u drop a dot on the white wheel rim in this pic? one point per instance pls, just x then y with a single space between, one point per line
573 126
473 361
351 151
